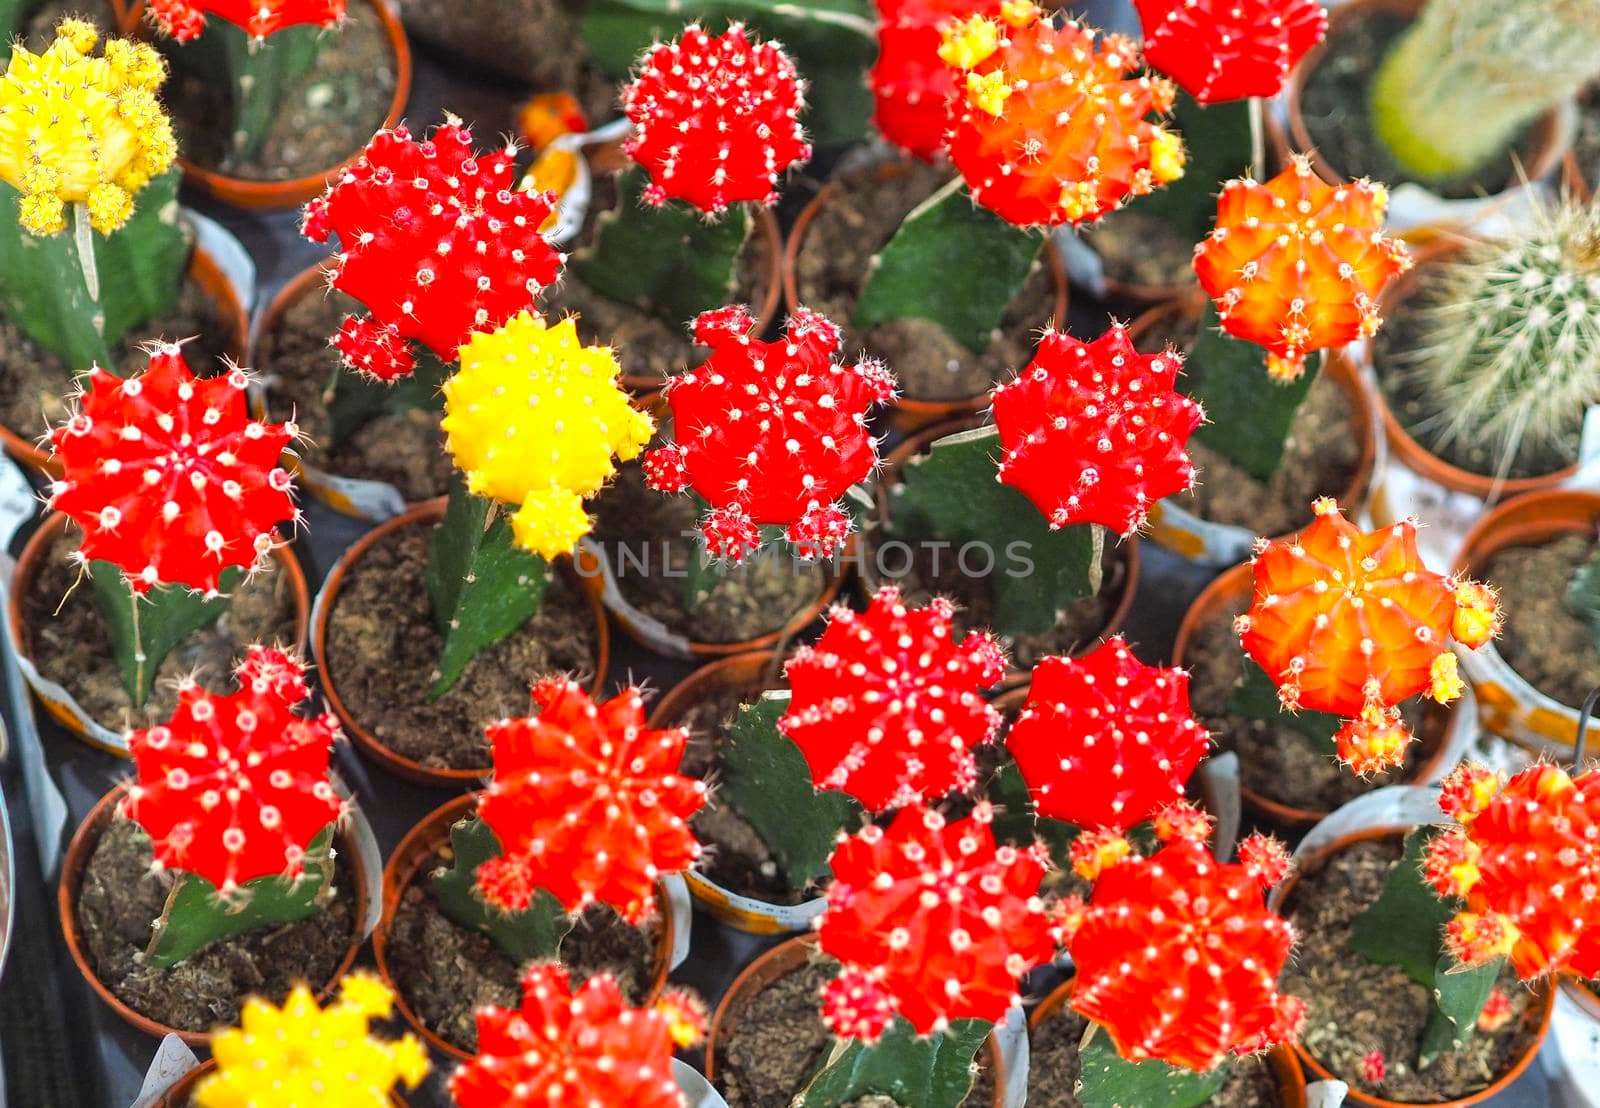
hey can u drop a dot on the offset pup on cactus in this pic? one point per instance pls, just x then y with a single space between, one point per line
912 87
1218 50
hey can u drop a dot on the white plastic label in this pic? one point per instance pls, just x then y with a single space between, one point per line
172 1061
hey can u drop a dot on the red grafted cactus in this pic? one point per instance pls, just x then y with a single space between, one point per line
887 706
586 804
1296 265
584 1046
1229 49
1049 127
1352 623
435 240
716 119
1093 432
1526 859
770 432
1105 740
911 84
184 20
169 477
933 920
1178 958
236 787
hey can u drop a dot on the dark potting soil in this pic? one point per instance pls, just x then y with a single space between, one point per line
1320 457
1140 249
325 117
1339 121
779 1041
383 647
1354 1007
1586 143
831 270
35 384
71 645
1275 760
403 449
446 972
638 527
121 899
1542 639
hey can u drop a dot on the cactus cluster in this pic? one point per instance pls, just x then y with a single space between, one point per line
886 706
1049 128
770 433
1219 50
1105 741
435 242
80 129
912 87
185 20
535 419
716 119
586 804
1353 623
1094 432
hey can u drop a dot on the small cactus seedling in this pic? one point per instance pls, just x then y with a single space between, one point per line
178 494
1452 93
1220 50
912 87
1106 741
583 1046
1353 623
887 705
234 793
770 433
299 1054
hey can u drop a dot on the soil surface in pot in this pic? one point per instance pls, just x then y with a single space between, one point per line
1354 1007
324 118
1320 456
1275 760
71 646
1586 143
779 1041
648 539
403 449
446 972
1141 250
1338 119
382 649
1542 639
1054 1069
36 385
831 269
119 902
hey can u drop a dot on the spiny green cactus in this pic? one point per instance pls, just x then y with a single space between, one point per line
1451 95
1107 1080
1510 339
930 1071
530 935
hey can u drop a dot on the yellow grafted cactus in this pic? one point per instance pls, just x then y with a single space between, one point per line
536 419
301 1055
77 128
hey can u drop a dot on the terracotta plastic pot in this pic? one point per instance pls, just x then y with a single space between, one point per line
1544 989
1234 587
69 715
76 862
423 515
178 1096
291 193
777 962
232 315
1280 1059
908 413
417 850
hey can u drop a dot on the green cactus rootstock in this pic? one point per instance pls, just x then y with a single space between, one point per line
482 586
146 627
912 277
1583 597
1220 148
1107 1080
195 915
929 1071
43 289
1256 697
355 399
950 494
533 934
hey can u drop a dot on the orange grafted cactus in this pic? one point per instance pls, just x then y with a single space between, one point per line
1296 264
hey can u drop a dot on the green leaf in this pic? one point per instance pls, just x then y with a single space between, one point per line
935 1071
1405 926
951 493
1583 597
1219 146
482 586
525 936
1248 412
145 628
913 278
257 75
766 780
196 916
1107 1080
1257 698
1459 994
354 400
